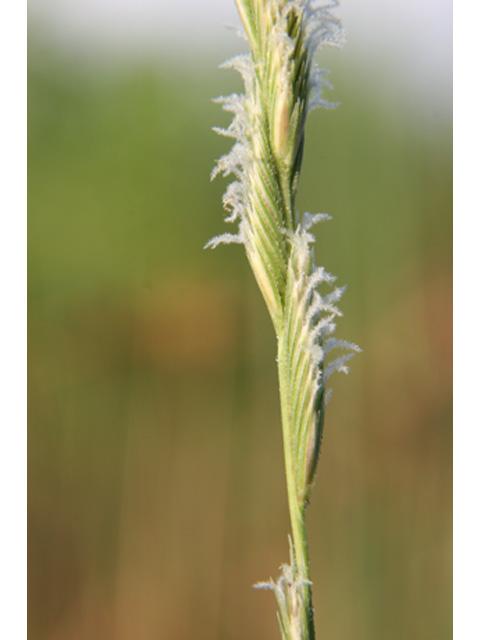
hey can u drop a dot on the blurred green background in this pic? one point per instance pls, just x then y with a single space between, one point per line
156 488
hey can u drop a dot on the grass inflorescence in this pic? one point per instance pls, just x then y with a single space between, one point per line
282 85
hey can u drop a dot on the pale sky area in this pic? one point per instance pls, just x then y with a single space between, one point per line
412 38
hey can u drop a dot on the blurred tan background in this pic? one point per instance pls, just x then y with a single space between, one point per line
156 488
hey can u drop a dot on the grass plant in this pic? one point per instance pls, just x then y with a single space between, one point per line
282 85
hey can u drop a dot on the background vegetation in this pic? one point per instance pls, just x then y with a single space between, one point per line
156 487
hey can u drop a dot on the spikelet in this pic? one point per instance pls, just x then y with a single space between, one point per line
282 85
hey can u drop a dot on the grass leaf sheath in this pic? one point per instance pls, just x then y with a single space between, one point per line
282 85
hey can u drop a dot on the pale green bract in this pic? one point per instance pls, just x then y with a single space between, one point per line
282 84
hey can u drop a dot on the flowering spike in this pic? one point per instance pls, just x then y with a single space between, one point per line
282 85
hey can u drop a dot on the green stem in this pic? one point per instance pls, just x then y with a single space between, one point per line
296 505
